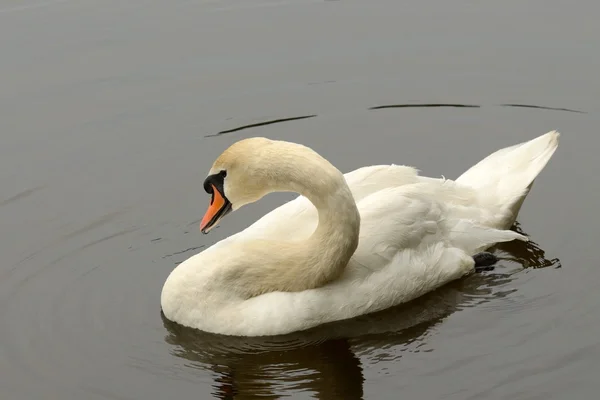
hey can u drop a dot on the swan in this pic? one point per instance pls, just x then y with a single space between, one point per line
350 244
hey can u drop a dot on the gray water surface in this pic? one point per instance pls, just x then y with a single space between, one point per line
111 113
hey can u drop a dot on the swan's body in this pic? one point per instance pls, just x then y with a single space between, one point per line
350 244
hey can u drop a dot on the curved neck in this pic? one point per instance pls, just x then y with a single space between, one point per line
330 247
295 266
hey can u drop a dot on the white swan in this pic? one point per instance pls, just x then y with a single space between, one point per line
371 239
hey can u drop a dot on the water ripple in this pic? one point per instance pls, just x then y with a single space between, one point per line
425 105
263 123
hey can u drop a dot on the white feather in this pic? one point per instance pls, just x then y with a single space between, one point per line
416 234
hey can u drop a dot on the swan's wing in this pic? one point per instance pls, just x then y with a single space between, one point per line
297 219
395 220
368 180
418 224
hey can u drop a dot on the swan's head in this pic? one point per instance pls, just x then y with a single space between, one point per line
251 168
242 174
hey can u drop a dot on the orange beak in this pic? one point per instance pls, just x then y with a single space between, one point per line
219 206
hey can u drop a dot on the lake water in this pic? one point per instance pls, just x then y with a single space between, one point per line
111 113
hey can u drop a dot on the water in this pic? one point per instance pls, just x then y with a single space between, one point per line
110 117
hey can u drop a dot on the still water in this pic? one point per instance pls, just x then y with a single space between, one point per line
111 113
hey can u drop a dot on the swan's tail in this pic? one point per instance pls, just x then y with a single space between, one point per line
505 176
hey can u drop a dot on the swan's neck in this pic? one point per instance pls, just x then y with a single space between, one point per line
295 266
329 249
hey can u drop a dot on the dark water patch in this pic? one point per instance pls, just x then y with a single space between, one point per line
543 108
269 122
528 254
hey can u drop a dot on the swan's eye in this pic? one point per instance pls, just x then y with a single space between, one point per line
223 174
